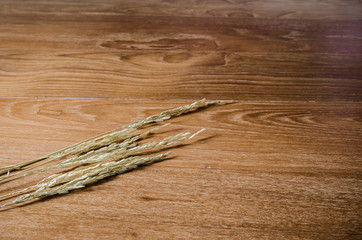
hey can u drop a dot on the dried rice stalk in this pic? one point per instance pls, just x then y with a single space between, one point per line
94 174
96 158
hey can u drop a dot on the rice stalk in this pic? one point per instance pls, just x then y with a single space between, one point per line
96 173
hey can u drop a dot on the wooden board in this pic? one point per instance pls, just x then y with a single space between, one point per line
283 162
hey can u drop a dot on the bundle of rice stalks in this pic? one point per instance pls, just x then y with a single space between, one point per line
102 156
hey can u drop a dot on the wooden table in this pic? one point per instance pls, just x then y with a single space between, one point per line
283 162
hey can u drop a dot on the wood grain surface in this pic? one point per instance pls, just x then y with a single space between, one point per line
283 162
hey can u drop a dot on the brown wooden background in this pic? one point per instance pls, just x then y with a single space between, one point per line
284 162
